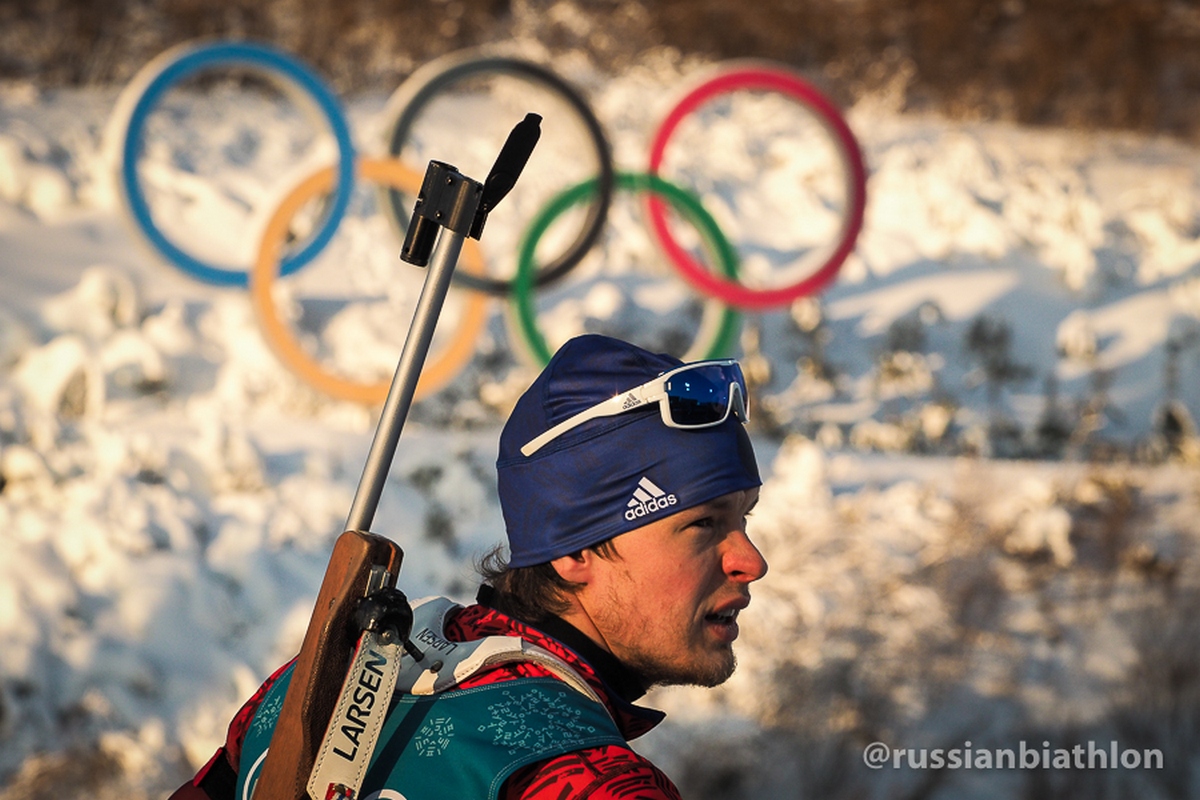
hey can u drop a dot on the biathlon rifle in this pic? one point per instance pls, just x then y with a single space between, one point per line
340 686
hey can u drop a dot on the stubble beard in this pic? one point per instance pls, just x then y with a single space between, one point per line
680 662
660 672
697 665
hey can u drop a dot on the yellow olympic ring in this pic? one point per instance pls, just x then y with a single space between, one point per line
440 368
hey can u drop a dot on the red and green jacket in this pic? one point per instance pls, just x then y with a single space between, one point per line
608 772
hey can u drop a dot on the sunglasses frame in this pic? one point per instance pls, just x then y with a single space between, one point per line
652 391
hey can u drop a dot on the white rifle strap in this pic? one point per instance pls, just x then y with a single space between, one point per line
493 651
353 732
447 664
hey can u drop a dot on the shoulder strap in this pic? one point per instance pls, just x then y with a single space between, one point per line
447 664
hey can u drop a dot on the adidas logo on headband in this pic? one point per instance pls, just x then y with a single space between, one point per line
648 497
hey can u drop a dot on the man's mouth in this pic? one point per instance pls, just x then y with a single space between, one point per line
723 623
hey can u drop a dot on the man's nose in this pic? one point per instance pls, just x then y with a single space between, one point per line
743 562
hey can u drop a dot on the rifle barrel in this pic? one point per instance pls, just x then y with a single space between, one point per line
404 382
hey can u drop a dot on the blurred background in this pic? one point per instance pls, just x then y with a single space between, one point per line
979 445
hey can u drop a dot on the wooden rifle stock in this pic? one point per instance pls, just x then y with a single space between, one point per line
321 666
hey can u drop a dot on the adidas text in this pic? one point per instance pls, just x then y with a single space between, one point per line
655 504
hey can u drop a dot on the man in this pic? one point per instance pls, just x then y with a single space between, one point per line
625 479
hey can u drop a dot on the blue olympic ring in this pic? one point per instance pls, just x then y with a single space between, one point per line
239 54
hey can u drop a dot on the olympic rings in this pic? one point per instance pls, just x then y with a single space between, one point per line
440 368
407 103
721 335
766 78
186 60
723 293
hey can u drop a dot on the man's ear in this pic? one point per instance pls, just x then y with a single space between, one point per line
576 567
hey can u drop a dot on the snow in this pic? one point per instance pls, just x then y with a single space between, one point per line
171 492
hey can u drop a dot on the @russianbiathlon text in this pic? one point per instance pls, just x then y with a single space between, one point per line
1029 756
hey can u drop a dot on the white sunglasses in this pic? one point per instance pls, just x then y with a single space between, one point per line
696 395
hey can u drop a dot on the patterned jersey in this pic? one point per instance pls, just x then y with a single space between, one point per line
612 772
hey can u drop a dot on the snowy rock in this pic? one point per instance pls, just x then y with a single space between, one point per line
1043 530
24 181
61 378
131 362
233 461
104 300
169 331
49 192
935 420
23 465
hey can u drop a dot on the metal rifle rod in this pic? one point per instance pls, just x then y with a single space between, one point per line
456 207
404 382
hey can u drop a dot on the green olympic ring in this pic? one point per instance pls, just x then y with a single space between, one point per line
685 202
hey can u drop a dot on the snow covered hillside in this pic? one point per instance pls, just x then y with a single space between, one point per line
982 492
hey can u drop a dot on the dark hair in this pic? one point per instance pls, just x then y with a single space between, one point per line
531 594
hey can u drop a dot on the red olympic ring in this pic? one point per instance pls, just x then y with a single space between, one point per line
763 78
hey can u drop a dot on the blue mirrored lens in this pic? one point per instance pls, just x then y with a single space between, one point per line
700 396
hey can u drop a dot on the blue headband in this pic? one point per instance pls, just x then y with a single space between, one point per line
609 475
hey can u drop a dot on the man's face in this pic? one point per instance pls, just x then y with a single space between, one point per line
667 603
